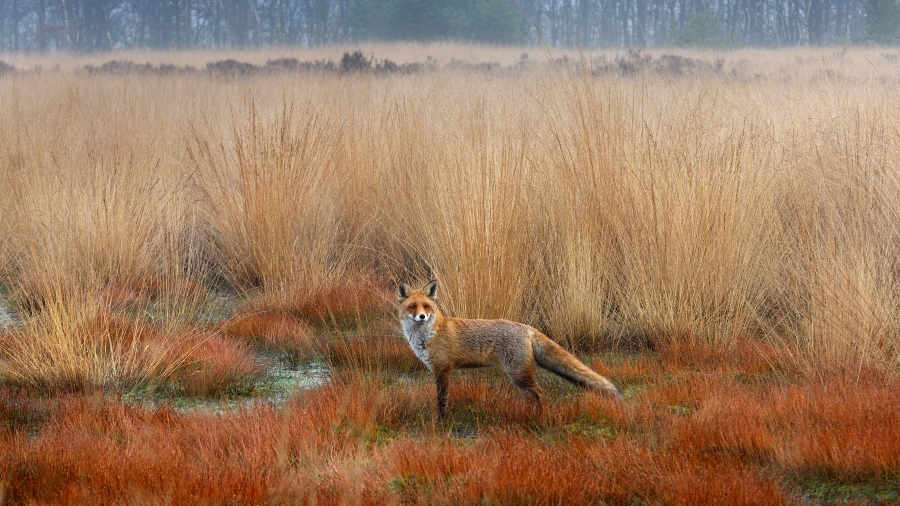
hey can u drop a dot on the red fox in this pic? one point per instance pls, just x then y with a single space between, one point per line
443 344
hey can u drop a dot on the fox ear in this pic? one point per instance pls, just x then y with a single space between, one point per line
402 290
431 289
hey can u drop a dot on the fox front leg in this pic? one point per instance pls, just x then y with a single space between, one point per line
442 381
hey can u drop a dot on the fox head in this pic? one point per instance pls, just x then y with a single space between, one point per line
417 305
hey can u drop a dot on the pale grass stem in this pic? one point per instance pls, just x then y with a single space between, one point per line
607 210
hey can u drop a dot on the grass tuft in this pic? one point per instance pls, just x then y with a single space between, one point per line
213 366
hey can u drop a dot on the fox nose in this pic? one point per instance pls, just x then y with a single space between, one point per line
421 317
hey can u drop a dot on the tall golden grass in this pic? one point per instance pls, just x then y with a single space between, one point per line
607 210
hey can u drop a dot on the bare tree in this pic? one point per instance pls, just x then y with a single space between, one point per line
99 25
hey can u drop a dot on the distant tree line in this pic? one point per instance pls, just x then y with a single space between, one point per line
98 25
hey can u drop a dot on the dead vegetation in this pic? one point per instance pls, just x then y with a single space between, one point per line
373 439
723 247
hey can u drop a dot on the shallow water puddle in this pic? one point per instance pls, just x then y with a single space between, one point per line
280 383
8 317
283 381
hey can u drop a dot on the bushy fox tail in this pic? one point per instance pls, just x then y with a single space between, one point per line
554 358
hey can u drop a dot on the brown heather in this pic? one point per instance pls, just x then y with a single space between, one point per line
363 441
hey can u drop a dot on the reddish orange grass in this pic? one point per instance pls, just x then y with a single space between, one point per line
838 427
747 356
844 427
344 304
725 422
91 451
512 467
275 329
119 295
704 437
213 364
370 351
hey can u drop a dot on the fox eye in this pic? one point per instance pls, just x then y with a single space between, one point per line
413 307
426 306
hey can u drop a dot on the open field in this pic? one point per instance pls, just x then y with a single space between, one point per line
718 233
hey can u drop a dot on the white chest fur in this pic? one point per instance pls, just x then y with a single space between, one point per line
418 334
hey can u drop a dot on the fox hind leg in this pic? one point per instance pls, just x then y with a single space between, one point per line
528 384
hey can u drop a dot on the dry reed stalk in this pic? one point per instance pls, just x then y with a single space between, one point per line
603 209
270 197
74 342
